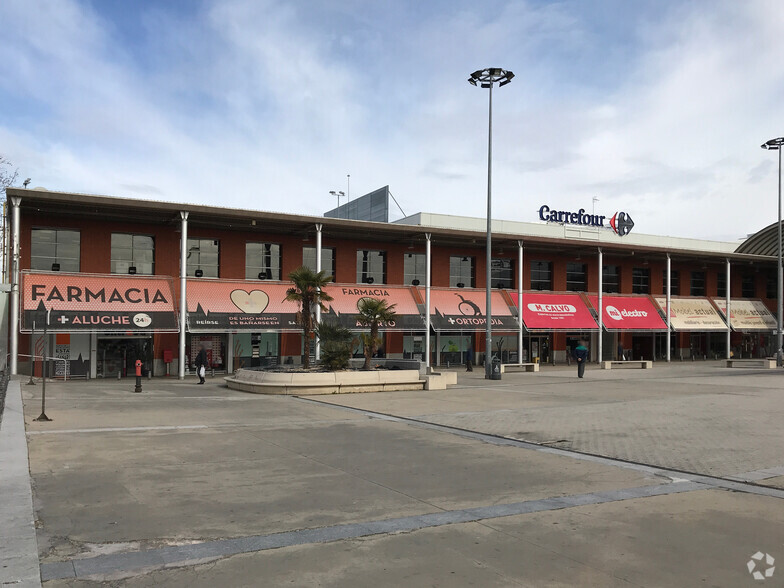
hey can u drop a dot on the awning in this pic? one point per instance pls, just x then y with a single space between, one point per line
240 306
555 312
692 314
628 313
747 315
343 309
460 309
97 303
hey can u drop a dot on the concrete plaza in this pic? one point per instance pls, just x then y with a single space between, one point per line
666 477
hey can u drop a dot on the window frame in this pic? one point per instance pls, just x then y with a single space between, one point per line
65 264
271 272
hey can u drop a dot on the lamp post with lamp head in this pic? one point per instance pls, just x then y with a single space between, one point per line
776 145
487 78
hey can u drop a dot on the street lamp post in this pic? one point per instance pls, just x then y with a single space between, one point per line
338 195
776 144
486 78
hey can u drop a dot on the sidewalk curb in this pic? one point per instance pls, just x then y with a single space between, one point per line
19 564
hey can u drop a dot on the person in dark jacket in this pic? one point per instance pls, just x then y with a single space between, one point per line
581 355
201 361
470 359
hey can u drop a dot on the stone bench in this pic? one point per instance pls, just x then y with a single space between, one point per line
762 362
519 367
306 383
634 363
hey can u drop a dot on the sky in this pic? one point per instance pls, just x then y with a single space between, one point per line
656 108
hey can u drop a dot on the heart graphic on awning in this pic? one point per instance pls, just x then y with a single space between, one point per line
253 302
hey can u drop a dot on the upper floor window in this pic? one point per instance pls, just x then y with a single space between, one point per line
748 286
576 277
462 272
55 250
675 282
371 266
697 284
502 273
770 285
611 279
327 260
541 275
133 254
414 268
203 258
721 284
641 280
262 261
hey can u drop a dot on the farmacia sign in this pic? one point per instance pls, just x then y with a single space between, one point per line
621 223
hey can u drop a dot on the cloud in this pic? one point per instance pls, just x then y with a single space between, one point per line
657 110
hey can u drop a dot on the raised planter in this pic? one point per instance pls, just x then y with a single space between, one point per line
263 382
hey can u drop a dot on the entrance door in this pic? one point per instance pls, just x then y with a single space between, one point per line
120 355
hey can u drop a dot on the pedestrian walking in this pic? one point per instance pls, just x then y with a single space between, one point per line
470 359
201 364
620 351
581 355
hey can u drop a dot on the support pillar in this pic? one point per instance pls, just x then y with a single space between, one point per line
14 322
599 310
427 301
183 291
520 301
669 303
318 306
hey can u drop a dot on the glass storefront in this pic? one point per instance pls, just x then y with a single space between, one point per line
119 355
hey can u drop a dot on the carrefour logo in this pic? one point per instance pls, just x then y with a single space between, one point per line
619 315
620 223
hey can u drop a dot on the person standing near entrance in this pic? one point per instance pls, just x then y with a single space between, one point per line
470 359
581 355
201 364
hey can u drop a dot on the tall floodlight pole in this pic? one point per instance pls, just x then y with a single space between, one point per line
487 78
776 144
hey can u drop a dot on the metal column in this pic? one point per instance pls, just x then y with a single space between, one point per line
183 291
601 275
14 326
669 302
727 314
318 306
427 300
520 301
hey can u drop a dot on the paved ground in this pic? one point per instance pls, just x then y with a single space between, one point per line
187 485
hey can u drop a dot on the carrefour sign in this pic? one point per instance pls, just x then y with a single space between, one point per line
621 223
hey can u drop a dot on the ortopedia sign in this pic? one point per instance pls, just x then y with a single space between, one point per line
97 303
620 223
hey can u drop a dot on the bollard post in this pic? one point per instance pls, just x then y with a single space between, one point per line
138 376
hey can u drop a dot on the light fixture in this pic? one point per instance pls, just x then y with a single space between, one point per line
487 77
198 273
460 285
262 275
132 270
777 145
415 282
370 280
55 267
26 183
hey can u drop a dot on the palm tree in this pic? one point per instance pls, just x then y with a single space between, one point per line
308 290
372 312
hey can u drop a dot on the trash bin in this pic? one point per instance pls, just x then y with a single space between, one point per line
495 369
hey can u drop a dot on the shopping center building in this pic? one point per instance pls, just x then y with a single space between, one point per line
104 276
